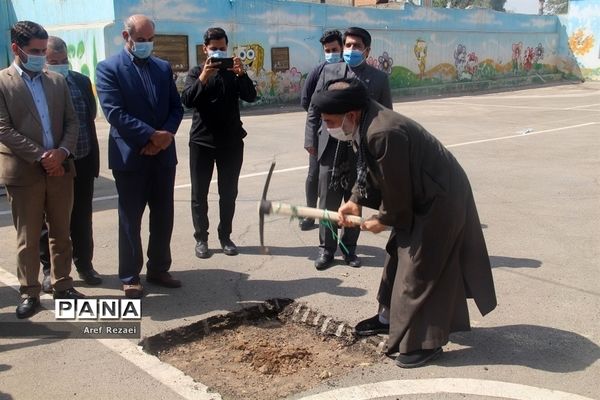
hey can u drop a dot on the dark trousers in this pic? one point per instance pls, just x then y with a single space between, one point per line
81 220
150 186
229 164
332 200
312 181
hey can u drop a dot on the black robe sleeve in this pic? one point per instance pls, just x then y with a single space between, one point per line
391 151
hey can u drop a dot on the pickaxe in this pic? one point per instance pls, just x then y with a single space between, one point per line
274 207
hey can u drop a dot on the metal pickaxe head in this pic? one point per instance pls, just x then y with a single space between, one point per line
264 208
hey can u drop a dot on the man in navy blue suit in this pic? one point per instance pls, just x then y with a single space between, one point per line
140 101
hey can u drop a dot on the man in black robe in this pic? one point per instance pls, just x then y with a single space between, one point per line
436 253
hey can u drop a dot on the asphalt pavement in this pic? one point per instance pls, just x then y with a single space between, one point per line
533 159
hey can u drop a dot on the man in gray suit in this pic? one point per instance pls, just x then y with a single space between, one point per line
337 162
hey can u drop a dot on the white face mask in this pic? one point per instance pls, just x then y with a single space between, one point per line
339 133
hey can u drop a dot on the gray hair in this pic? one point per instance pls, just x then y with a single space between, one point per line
129 23
56 44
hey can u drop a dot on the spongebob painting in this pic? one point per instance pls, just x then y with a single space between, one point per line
252 56
421 55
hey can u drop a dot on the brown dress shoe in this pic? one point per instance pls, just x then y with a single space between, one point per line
163 279
133 291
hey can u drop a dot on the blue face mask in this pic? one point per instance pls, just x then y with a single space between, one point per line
353 57
62 69
34 63
332 57
142 49
217 53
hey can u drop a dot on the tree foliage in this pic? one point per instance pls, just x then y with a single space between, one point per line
553 7
497 5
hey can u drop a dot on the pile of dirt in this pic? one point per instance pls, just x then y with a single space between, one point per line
266 359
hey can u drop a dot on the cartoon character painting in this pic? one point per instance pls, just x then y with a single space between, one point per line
517 51
420 50
528 58
252 56
472 64
460 60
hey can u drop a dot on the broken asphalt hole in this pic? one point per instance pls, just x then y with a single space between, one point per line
267 351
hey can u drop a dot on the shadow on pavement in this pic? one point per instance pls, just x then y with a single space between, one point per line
499 261
4 367
533 346
208 290
25 343
371 256
8 297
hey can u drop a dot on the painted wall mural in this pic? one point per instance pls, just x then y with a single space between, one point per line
583 29
416 47
581 42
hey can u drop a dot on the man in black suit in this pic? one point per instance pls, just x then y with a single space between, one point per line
213 91
87 166
337 162
332 46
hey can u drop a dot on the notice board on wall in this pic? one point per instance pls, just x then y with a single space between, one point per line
174 49
280 59
200 54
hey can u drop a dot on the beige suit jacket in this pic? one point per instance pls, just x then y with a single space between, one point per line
21 132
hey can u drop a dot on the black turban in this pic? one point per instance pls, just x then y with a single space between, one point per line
340 101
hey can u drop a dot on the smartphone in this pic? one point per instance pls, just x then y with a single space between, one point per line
226 63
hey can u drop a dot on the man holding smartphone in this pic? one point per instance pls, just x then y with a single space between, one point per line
213 91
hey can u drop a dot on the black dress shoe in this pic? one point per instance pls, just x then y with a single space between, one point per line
90 276
306 224
202 249
417 358
47 284
70 293
371 326
27 307
229 248
353 260
324 261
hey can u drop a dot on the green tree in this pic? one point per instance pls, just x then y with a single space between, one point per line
497 5
553 7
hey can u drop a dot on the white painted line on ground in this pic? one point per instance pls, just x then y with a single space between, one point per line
9 279
280 171
444 385
577 93
188 185
165 373
583 106
580 108
521 135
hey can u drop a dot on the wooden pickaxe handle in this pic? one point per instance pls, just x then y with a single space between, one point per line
275 207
